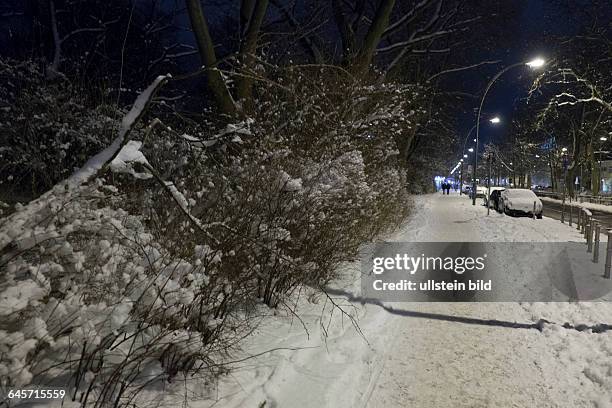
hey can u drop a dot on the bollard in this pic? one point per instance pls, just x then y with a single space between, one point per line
589 238
570 215
596 248
563 212
534 210
608 255
586 225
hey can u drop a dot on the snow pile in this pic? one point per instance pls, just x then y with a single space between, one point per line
97 280
127 157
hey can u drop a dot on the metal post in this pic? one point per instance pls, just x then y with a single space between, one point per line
608 255
461 179
570 215
590 235
563 211
534 210
585 226
488 185
596 248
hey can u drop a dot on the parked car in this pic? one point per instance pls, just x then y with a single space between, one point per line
481 191
520 201
493 200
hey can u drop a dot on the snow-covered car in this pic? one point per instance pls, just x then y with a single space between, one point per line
520 201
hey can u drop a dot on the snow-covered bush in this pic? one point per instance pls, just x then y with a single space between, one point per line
99 304
158 266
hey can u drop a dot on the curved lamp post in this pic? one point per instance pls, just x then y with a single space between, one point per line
533 64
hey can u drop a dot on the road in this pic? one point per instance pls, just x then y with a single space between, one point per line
553 210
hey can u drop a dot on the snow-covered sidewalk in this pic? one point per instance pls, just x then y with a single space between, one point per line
431 354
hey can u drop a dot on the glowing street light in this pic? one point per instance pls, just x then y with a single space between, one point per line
533 64
475 140
471 150
564 149
537 156
536 63
603 138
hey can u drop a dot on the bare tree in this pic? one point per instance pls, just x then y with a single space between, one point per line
208 56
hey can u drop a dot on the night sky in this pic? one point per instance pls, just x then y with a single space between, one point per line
533 35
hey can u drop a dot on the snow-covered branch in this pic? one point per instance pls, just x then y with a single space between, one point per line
22 222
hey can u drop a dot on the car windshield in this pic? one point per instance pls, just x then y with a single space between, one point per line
520 193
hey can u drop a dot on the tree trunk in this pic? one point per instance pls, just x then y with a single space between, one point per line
377 28
347 34
247 51
246 12
595 179
206 49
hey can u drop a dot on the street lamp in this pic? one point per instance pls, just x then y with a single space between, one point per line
536 63
493 120
533 64
471 149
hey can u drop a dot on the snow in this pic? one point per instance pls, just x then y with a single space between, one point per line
95 163
129 154
21 221
289 184
399 355
17 297
199 142
241 128
422 354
